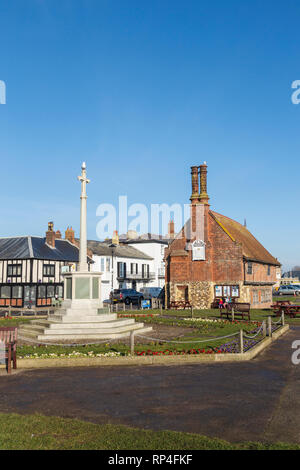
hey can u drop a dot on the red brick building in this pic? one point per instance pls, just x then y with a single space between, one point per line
214 256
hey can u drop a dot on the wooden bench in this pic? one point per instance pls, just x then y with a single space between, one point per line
237 309
9 335
180 304
278 304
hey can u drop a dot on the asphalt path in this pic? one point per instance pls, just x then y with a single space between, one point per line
243 401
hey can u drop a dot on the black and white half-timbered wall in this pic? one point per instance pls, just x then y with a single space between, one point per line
31 268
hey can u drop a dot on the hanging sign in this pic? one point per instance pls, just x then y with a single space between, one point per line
198 250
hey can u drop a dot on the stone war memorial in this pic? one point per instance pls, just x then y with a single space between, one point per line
82 316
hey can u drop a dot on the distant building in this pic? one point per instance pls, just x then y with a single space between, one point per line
154 246
122 266
214 256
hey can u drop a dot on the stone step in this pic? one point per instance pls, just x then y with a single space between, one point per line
100 325
85 330
92 336
62 318
27 333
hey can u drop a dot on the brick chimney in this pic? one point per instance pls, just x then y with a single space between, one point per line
70 235
171 229
50 235
203 184
58 235
195 185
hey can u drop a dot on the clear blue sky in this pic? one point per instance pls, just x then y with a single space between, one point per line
141 90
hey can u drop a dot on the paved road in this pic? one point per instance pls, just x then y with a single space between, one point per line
257 400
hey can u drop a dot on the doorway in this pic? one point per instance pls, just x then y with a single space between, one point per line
29 296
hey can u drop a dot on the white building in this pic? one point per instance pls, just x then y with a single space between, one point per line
122 266
154 246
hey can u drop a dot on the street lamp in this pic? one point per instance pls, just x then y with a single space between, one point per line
113 248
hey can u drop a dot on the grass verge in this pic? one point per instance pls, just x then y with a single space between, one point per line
37 432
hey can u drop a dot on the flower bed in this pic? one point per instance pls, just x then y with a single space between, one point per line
70 355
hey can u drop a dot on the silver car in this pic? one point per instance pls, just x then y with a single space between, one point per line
288 290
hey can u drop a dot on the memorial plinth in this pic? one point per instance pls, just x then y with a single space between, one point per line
82 316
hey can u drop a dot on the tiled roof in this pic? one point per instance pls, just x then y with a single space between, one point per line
121 251
252 249
36 247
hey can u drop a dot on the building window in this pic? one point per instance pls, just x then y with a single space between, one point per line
102 264
227 291
41 292
145 271
133 268
17 292
249 268
14 270
5 292
107 265
269 270
48 270
121 270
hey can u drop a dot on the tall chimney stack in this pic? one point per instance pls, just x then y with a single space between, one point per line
203 184
171 229
50 235
195 186
70 235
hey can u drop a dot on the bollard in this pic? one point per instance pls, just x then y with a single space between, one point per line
270 327
241 342
132 343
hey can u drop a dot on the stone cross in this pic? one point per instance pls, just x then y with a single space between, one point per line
83 265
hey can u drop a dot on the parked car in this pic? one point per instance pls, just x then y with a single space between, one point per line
288 290
150 292
127 296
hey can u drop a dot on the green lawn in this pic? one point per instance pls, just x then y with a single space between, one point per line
201 331
32 432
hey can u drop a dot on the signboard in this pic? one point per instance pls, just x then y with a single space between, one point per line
146 304
65 269
2 352
198 250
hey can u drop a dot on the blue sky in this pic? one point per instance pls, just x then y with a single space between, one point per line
142 90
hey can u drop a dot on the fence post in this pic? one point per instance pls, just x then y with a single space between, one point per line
270 327
232 313
123 306
282 319
9 311
264 328
160 307
132 343
241 342
131 306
